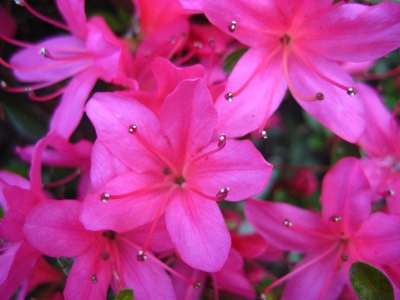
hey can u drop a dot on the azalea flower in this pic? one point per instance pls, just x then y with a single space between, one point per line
344 233
380 144
102 257
174 167
297 45
91 51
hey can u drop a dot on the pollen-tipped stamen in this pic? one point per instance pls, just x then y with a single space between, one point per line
295 93
46 53
40 16
221 145
134 130
64 180
220 196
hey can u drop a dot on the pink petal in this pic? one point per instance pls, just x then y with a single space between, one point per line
20 203
112 115
194 117
238 166
50 70
378 239
249 245
231 278
79 285
306 233
337 104
70 110
346 193
20 269
110 54
376 138
198 230
7 258
73 12
104 166
259 99
53 226
184 290
125 213
353 32
8 178
148 279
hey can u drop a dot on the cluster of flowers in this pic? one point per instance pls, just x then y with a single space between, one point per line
146 215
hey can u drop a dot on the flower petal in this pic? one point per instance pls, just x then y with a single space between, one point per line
198 230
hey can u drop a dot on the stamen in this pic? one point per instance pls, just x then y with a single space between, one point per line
222 194
46 53
16 42
229 96
57 93
221 145
43 52
296 271
222 141
287 223
351 91
105 197
232 26
36 68
335 218
163 265
93 278
133 129
64 180
40 16
318 96
141 256
344 257
263 134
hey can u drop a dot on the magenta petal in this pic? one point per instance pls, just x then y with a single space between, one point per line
53 226
198 230
49 70
112 115
20 203
238 166
378 239
346 34
7 258
194 117
22 265
337 105
80 285
104 166
316 281
148 279
73 12
123 214
70 110
346 193
259 99
269 219
182 289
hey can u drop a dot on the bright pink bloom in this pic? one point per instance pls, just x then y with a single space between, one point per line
297 44
90 52
345 232
102 257
380 143
18 257
174 167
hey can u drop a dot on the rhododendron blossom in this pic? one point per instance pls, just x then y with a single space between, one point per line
175 168
344 233
297 44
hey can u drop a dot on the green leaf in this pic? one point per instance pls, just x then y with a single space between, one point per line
231 60
369 283
65 263
26 118
125 294
342 149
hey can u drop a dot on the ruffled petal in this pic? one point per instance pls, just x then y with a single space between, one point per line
73 12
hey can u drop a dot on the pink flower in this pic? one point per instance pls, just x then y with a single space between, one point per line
297 44
380 143
345 232
102 257
174 167
90 52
